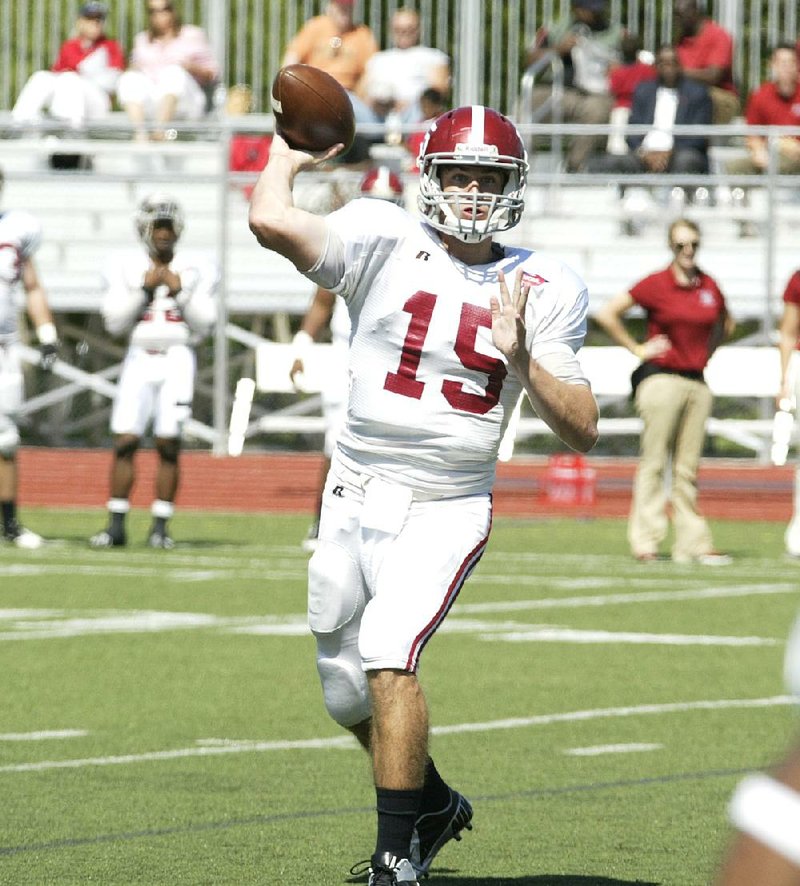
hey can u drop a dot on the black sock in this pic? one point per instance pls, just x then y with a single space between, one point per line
116 523
435 792
9 509
397 812
159 525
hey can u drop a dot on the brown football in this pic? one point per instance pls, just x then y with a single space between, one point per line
312 111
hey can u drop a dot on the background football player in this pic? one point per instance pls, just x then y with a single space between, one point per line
326 311
164 298
20 235
441 347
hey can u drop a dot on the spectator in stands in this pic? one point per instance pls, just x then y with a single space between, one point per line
669 100
635 66
705 51
765 810
328 312
395 78
432 104
20 235
686 320
171 73
788 395
163 299
774 103
588 46
337 45
81 83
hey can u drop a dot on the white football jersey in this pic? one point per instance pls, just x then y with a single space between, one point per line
430 395
20 236
166 320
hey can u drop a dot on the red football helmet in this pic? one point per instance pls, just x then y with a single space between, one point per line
472 136
383 183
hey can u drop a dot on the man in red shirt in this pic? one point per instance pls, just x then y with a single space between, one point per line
686 320
705 51
774 103
83 78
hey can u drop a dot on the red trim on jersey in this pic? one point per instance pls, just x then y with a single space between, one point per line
463 573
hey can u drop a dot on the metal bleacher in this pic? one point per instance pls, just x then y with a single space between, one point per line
87 215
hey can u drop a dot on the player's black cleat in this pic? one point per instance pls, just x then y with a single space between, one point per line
434 829
108 539
391 871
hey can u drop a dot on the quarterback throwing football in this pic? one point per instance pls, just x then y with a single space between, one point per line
448 327
163 298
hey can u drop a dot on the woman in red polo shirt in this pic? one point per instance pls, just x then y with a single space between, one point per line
686 320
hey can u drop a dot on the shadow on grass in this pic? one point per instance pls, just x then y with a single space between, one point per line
450 878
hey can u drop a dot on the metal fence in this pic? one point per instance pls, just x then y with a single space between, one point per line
486 39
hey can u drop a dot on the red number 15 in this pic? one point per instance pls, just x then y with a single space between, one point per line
405 382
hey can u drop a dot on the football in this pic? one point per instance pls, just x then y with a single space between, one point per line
312 111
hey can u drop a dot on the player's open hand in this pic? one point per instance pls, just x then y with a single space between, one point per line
508 313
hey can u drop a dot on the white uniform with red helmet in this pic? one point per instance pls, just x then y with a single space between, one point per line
407 505
157 379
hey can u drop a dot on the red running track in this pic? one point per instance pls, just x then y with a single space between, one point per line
77 478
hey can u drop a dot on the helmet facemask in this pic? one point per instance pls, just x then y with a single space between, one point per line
156 210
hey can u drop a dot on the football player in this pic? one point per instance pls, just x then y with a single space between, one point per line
326 310
449 326
20 235
163 298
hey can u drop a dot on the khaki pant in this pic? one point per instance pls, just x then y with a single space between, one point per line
674 410
579 107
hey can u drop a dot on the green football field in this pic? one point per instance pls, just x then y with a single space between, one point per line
162 721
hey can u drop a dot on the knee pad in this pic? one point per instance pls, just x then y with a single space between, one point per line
126 448
168 449
345 690
336 600
9 438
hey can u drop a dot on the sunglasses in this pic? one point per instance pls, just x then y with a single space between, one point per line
154 10
685 244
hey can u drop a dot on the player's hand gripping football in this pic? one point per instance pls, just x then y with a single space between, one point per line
508 317
301 159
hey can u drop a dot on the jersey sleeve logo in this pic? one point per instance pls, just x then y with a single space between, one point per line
533 279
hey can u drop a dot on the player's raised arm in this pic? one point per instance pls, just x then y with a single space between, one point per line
274 219
570 410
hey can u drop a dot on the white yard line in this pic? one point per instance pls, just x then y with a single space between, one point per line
600 749
44 735
217 747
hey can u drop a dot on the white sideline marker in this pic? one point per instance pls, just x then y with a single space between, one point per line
240 415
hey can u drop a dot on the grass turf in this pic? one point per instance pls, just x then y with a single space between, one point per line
162 721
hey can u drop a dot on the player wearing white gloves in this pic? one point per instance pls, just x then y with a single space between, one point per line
20 236
164 299
448 327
